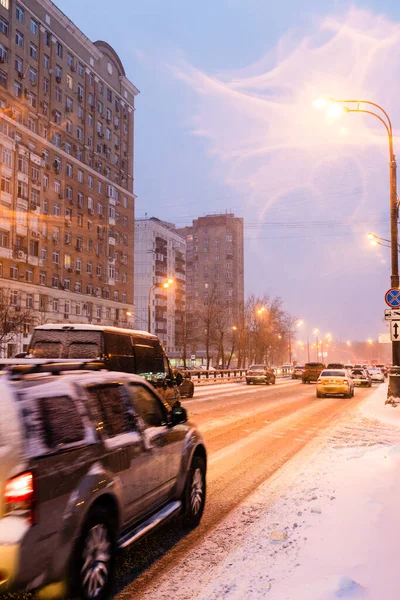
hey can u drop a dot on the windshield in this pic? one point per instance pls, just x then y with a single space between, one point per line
333 373
257 368
358 372
55 343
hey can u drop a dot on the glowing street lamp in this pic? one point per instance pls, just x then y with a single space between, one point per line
375 110
166 284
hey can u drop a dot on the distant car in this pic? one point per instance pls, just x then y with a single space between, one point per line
376 374
384 368
312 371
260 374
335 382
336 366
349 366
361 378
298 372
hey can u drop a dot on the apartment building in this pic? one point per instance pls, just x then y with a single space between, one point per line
66 195
214 264
159 256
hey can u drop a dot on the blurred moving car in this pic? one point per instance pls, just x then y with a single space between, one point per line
361 378
376 374
335 382
298 372
312 371
91 461
260 374
384 369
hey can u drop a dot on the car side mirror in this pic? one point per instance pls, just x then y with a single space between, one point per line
179 378
178 414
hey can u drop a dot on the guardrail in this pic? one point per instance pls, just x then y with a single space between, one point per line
222 375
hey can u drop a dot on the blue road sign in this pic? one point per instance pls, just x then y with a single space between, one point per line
392 298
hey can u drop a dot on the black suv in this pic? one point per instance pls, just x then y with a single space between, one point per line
90 461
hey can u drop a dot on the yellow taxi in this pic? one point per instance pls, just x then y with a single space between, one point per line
335 382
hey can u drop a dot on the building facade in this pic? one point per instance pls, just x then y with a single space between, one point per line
159 256
66 143
215 264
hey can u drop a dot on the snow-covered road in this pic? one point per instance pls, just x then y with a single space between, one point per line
332 531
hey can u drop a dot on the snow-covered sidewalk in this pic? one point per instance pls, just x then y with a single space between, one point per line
334 532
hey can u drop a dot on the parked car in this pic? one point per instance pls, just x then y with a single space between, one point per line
125 350
361 378
297 372
91 461
260 374
376 375
312 371
333 382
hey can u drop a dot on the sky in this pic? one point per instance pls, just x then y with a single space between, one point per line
224 122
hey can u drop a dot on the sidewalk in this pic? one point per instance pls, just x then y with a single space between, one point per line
335 533
327 526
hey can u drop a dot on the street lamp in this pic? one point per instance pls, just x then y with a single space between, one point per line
367 107
166 284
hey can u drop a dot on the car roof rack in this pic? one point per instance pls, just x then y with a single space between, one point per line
55 368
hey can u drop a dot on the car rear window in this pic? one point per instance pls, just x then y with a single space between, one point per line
333 373
51 423
357 372
314 365
257 368
57 343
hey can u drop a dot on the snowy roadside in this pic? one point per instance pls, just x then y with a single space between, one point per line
325 527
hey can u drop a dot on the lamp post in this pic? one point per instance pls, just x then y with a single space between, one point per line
165 285
335 108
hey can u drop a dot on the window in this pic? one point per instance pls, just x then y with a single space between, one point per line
80 91
22 190
67 286
4 239
44 253
29 277
100 87
47 38
80 175
29 300
32 75
32 99
98 270
70 60
57 116
70 82
59 49
57 140
79 133
56 210
33 51
64 426
19 65
34 27
17 89
13 272
89 268
46 62
34 248
19 13
6 157
109 95
58 94
80 224
42 281
69 170
81 69
3 26
69 104
80 200
107 403
54 281
90 182
100 107
147 406
90 78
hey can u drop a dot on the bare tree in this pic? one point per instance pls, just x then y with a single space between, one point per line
207 318
13 318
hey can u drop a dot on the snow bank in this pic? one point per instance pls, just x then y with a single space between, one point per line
334 534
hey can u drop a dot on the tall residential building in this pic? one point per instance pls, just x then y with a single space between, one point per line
214 264
159 256
66 143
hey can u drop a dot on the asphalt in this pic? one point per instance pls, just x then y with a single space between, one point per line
250 432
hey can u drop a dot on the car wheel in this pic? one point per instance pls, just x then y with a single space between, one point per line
194 496
274 381
94 557
319 395
248 382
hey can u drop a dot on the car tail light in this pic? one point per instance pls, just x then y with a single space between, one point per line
319 380
248 372
19 495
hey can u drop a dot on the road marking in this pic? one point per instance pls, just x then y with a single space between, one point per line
224 393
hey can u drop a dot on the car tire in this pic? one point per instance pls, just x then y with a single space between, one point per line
194 495
274 381
248 382
94 557
319 395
